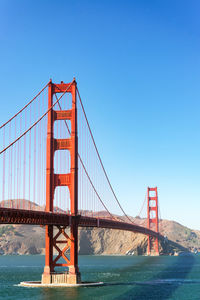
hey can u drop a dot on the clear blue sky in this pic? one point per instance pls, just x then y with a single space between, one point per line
137 64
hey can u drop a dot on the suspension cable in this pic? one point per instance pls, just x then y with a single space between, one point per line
101 159
25 106
38 119
84 168
143 204
94 187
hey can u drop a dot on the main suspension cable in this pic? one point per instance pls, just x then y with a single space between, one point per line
84 168
37 120
25 106
101 159
145 197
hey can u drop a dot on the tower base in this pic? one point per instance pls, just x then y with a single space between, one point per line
153 254
61 278
37 284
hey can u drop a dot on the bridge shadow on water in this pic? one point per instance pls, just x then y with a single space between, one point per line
162 284
150 278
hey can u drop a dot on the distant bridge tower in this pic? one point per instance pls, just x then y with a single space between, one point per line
152 220
62 242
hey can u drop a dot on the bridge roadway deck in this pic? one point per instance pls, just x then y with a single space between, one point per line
32 217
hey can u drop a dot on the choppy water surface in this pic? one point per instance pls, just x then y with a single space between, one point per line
125 277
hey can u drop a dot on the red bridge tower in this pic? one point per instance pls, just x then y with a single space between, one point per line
71 181
152 220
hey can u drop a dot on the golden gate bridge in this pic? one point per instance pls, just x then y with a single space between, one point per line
52 174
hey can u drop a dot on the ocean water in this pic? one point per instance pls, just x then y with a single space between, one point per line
125 277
